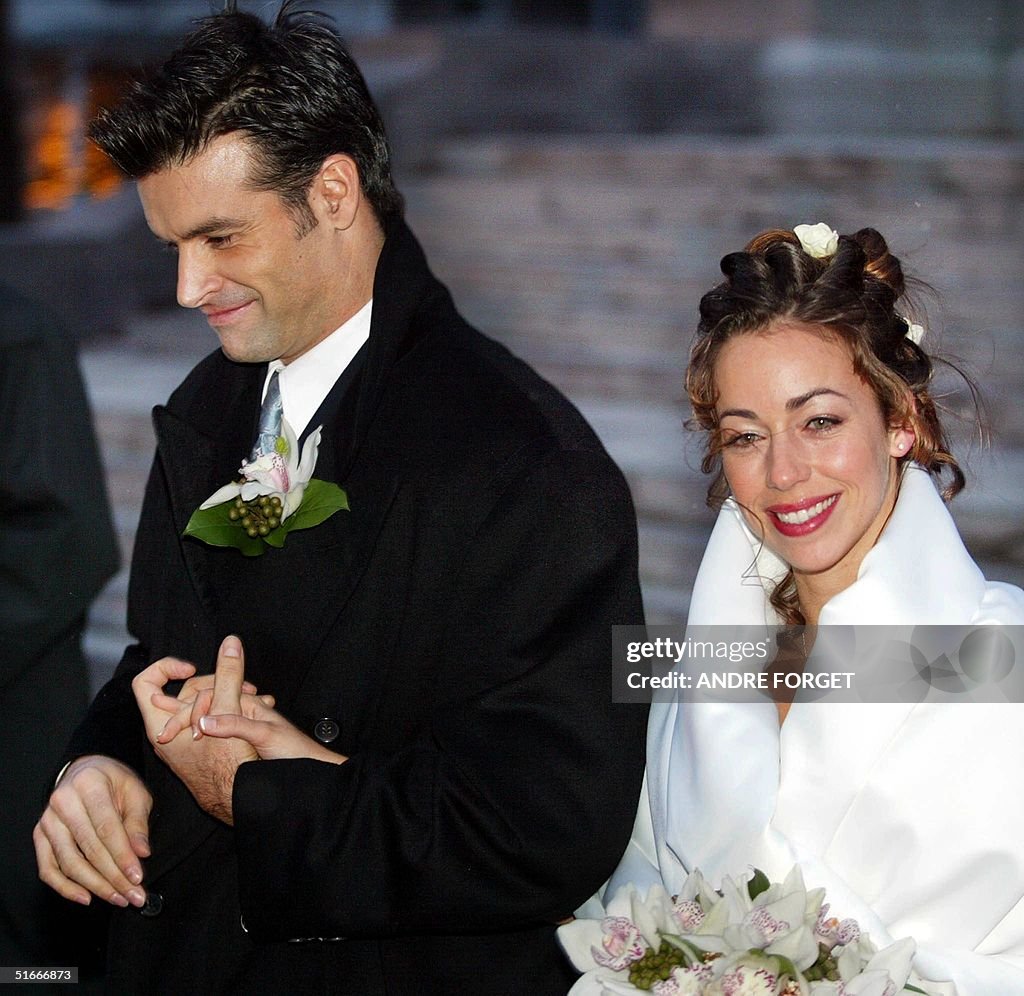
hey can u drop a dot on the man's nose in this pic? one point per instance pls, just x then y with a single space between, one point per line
787 462
197 277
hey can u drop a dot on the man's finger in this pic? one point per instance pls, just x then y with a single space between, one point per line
79 857
50 873
200 681
109 849
71 867
136 804
228 677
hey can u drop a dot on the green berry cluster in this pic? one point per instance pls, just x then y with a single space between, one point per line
655 966
258 516
824 968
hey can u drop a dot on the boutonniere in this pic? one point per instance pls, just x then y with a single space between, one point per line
275 495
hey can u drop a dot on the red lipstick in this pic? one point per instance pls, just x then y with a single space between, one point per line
802 517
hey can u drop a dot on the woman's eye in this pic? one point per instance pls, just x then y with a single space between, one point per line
742 440
822 423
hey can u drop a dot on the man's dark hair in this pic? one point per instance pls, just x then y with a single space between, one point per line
292 88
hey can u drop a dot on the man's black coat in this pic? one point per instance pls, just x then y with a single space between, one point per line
453 629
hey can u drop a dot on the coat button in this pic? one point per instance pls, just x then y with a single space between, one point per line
154 904
326 730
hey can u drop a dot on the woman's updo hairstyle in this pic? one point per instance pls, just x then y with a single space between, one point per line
850 296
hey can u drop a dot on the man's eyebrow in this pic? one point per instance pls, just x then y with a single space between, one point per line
207 227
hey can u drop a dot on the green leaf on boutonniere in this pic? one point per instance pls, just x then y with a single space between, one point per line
320 501
213 526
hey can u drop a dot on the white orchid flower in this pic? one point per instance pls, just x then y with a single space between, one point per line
778 929
623 935
284 473
748 973
819 241
688 981
895 961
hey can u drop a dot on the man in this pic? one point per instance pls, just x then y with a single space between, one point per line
57 549
443 778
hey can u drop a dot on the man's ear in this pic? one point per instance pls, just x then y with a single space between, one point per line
337 190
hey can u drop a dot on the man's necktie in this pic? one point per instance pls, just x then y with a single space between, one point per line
270 420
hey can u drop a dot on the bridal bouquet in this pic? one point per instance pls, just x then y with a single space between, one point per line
754 938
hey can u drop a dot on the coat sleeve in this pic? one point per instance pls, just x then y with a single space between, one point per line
516 801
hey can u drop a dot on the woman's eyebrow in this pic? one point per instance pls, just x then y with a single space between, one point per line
791 406
794 403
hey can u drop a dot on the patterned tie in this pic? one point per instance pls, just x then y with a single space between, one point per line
270 420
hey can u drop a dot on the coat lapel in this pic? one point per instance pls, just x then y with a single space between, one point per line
199 450
307 583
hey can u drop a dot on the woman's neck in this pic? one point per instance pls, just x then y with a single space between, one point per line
814 590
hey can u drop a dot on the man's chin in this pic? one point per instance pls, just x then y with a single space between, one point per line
244 352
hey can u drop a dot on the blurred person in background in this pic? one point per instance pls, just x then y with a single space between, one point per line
57 549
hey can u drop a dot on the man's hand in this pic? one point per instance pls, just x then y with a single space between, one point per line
207 766
94 831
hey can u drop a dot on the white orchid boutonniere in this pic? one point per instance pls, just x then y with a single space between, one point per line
275 495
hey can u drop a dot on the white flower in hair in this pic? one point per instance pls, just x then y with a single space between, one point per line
915 332
819 241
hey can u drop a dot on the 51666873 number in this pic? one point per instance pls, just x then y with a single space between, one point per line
38 974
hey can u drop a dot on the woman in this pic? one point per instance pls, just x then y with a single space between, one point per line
814 391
